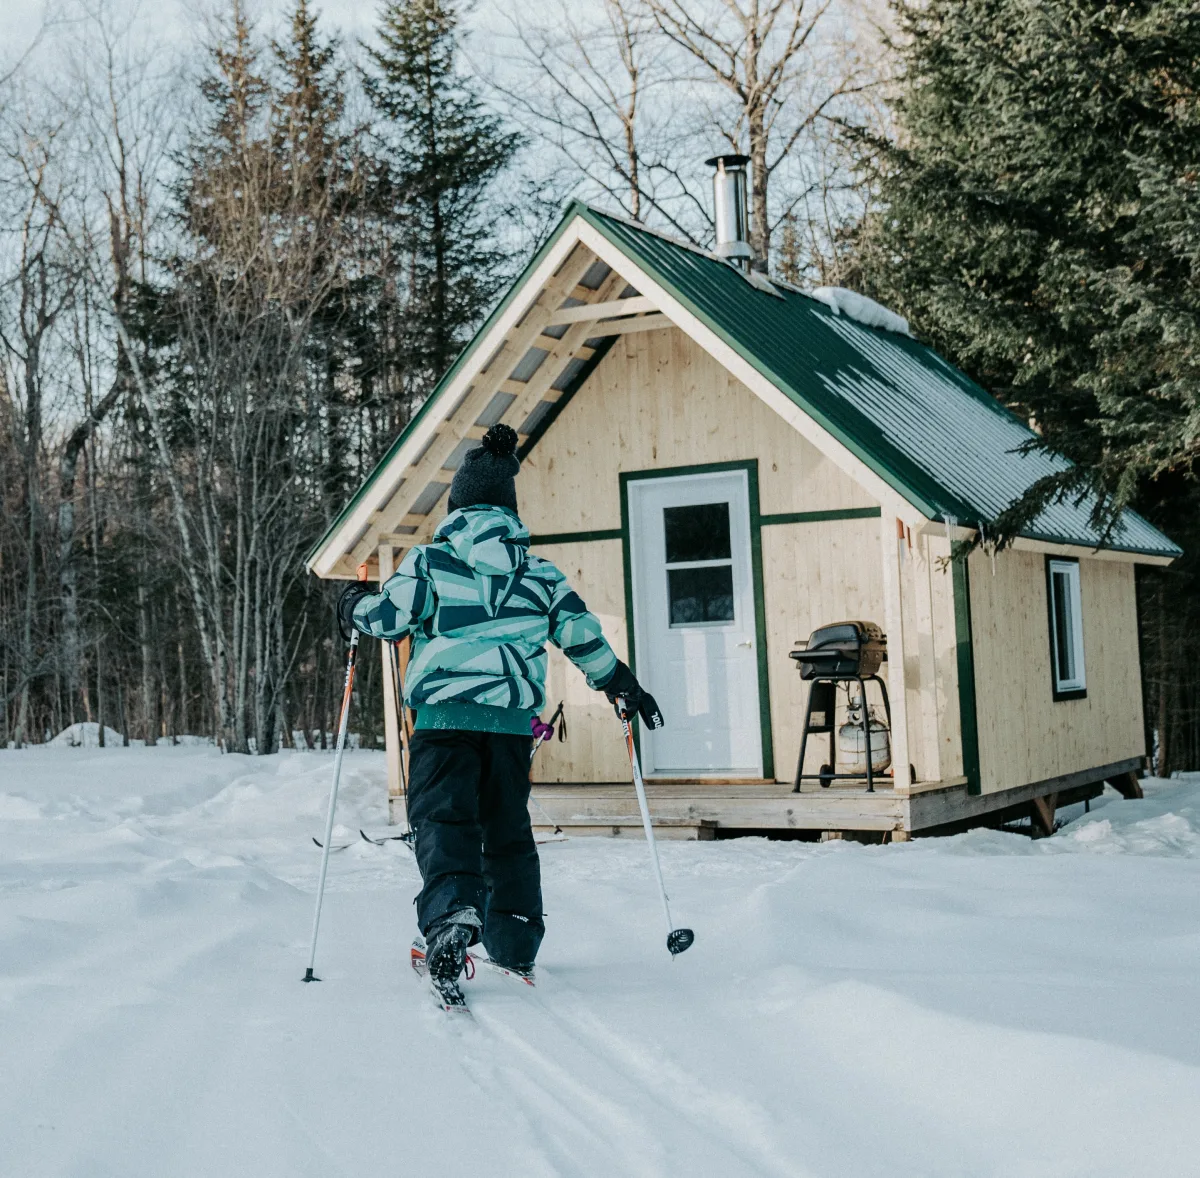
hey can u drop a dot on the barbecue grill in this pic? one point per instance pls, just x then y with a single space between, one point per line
835 658
845 648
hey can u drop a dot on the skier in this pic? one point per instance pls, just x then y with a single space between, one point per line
480 610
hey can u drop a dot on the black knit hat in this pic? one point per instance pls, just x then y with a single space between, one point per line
487 473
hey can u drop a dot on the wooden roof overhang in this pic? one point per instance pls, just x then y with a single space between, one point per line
518 370
557 321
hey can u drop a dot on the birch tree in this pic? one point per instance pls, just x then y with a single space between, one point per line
597 85
785 69
39 291
126 126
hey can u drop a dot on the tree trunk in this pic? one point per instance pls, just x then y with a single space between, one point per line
760 237
262 721
147 653
100 692
68 573
1164 710
21 735
69 592
168 725
180 614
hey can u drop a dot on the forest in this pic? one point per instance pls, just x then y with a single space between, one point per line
229 275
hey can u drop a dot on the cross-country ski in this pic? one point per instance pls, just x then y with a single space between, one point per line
332 846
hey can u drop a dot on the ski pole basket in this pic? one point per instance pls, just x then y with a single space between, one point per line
839 657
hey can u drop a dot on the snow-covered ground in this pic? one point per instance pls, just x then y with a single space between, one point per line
982 1005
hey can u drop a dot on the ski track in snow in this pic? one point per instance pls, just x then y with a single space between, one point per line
980 1005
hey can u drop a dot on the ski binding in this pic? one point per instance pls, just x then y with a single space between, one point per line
473 963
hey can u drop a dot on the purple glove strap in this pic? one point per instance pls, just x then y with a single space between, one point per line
541 730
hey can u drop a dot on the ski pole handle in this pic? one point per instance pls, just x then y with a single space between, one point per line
543 731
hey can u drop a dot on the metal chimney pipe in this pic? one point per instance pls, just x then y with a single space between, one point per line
730 214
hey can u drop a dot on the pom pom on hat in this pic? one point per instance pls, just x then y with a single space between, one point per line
500 440
487 473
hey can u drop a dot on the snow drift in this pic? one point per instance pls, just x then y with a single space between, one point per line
982 1005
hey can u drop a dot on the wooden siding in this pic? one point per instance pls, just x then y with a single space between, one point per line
812 574
825 572
930 657
658 401
594 749
1024 735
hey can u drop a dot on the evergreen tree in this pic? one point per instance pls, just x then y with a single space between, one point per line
267 204
444 150
311 99
1040 224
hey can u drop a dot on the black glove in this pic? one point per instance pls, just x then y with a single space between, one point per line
351 596
623 685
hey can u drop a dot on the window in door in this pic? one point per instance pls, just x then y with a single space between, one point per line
1066 629
699 565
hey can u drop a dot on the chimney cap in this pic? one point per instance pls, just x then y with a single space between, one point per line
731 219
728 161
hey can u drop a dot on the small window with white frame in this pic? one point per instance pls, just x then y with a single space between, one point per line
1069 678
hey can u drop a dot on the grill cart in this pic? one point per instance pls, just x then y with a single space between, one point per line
836 658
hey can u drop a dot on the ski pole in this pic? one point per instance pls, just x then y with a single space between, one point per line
542 732
343 722
678 939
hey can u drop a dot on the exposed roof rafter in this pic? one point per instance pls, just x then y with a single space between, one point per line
605 310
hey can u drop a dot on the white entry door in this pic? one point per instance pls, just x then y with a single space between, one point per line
694 624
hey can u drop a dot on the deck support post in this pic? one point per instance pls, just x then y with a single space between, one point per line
893 620
391 718
1127 785
1043 813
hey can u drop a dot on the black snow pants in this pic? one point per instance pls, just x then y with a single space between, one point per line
467 802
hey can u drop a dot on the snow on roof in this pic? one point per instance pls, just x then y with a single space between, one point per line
860 308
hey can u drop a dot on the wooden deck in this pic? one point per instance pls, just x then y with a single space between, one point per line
698 809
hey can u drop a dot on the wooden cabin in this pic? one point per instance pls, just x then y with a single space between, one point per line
663 393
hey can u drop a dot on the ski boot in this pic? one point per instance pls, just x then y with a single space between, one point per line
446 955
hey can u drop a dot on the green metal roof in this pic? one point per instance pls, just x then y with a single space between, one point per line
942 442
926 428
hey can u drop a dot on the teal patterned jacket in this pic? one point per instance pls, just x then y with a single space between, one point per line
481 609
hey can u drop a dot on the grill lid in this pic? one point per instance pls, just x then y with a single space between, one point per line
842 648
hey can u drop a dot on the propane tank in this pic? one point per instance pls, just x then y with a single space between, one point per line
852 745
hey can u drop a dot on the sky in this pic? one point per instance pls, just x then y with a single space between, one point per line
175 20
20 19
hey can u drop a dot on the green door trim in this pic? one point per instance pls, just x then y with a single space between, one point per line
968 716
750 466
